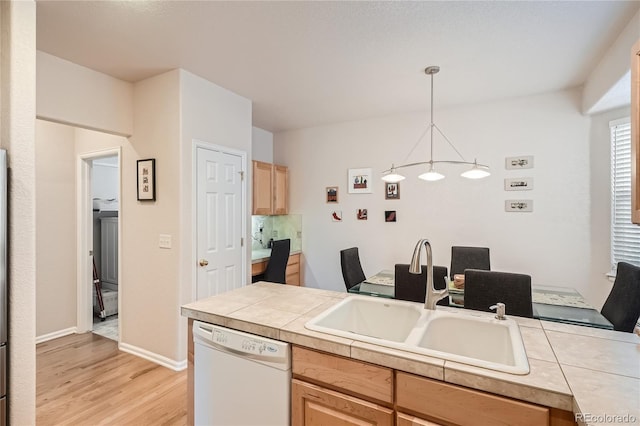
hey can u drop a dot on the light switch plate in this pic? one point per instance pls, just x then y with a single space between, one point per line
165 241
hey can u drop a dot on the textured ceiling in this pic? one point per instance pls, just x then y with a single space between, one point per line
310 63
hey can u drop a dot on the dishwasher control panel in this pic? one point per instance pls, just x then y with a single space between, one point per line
241 342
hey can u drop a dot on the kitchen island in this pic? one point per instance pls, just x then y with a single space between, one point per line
592 373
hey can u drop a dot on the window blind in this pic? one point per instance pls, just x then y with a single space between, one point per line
625 236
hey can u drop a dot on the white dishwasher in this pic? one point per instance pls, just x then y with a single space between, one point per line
240 379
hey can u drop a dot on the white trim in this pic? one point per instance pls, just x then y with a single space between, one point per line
84 236
153 357
619 121
56 334
194 214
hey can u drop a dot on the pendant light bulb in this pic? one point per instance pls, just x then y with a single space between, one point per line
476 172
431 175
392 176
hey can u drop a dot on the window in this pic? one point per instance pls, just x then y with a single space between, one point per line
625 236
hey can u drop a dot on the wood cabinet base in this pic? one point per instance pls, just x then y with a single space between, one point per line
313 405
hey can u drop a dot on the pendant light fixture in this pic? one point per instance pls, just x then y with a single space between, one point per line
476 170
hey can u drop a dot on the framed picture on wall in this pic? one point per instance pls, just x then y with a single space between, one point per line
360 181
391 191
147 179
332 194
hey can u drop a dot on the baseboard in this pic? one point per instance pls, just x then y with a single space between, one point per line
56 334
153 357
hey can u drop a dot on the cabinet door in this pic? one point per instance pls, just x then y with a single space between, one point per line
442 401
635 133
312 405
280 190
262 188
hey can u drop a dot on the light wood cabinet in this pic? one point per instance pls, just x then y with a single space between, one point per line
270 189
312 405
332 390
262 188
635 133
280 189
292 274
441 402
329 389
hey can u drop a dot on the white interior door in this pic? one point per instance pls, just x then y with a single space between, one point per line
219 222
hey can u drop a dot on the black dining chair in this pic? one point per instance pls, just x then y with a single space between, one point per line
483 289
622 307
276 270
463 257
352 272
412 287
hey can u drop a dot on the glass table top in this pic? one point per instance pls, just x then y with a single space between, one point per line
550 303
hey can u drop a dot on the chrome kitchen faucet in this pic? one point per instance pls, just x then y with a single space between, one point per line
432 295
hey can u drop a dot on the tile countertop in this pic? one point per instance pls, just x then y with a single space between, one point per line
585 370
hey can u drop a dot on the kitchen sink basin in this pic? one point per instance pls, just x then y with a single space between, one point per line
369 319
474 339
466 337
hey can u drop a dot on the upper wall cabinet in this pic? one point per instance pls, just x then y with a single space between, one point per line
635 133
270 189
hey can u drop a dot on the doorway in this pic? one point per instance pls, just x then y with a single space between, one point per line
105 204
220 213
99 228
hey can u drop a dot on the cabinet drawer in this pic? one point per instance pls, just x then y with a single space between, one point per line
354 377
258 268
314 406
294 259
442 401
403 419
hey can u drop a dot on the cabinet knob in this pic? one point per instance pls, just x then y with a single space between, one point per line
204 262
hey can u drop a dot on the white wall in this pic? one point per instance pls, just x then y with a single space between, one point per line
104 182
261 145
56 225
603 82
17 103
600 226
65 90
213 114
150 287
546 244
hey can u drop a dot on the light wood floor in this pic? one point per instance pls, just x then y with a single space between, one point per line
83 379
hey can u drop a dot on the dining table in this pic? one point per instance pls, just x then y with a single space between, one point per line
550 303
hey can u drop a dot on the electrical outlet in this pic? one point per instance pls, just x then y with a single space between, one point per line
165 241
275 234
299 234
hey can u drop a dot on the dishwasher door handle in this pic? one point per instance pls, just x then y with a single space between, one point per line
203 331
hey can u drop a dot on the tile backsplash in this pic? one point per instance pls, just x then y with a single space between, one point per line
263 228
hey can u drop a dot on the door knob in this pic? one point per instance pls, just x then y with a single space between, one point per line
204 262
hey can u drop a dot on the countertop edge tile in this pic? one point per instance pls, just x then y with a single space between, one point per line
523 387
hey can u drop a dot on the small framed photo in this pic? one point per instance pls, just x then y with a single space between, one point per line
362 214
521 162
518 184
360 181
390 216
332 194
147 180
391 191
336 215
518 206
